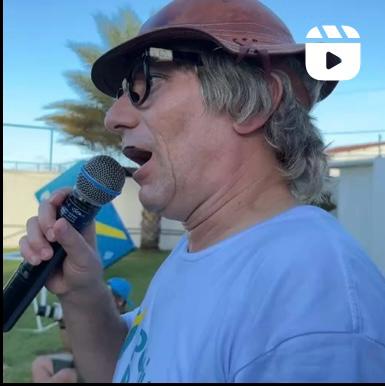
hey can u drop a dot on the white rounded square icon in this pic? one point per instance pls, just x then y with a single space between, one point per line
329 60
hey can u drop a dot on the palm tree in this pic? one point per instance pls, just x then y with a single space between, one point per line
82 120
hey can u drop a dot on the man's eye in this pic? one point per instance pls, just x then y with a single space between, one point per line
158 75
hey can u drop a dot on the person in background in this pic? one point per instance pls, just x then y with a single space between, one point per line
121 289
60 367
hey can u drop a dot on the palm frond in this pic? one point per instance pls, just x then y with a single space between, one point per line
87 53
85 130
80 81
117 29
82 122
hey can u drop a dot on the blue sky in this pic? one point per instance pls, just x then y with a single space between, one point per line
36 55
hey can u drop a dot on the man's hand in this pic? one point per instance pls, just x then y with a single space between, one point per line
82 267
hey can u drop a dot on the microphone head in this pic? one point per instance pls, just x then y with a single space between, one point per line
100 180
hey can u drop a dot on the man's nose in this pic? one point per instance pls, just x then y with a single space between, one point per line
121 115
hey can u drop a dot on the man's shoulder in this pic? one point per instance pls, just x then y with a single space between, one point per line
309 243
314 276
302 231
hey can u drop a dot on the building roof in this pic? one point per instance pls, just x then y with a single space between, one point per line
341 149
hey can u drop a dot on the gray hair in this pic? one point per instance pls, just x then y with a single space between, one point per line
242 91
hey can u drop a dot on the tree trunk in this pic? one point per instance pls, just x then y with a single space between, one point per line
150 230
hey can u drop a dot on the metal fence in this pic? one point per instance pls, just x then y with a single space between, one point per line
42 148
38 148
36 166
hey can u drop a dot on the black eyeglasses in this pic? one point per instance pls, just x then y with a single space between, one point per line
139 80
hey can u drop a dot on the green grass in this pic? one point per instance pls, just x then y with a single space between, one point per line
6 250
21 345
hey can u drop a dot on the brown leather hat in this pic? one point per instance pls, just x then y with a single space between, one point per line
245 28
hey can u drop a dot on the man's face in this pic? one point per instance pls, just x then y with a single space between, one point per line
185 142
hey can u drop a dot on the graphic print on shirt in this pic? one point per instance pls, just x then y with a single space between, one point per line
138 337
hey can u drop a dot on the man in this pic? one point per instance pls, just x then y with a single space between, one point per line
213 103
60 367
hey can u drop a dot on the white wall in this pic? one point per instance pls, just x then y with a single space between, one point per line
378 210
171 232
19 204
354 202
361 205
130 210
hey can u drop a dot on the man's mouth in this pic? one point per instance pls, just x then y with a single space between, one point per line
137 155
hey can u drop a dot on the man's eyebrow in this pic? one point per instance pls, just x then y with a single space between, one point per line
162 67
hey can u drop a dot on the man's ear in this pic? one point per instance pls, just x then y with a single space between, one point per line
255 122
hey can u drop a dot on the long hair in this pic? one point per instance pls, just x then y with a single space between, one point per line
241 90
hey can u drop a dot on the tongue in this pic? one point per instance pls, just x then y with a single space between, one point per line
137 155
142 158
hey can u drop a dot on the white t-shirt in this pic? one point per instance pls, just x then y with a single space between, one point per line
293 298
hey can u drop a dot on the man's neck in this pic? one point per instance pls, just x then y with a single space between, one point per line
235 208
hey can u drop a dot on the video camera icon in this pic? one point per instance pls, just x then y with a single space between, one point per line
330 60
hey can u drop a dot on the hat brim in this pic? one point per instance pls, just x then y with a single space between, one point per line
109 70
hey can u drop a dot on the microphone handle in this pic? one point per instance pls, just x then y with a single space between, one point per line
25 284
29 279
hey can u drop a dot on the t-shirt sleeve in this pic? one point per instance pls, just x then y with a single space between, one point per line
318 357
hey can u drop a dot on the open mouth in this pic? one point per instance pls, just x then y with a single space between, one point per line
137 155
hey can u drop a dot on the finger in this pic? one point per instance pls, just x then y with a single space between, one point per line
48 212
59 196
30 255
37 241
89 234
73 243
64 376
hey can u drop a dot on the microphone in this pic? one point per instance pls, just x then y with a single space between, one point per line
100 180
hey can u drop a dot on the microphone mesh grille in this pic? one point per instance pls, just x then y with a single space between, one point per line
105 171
